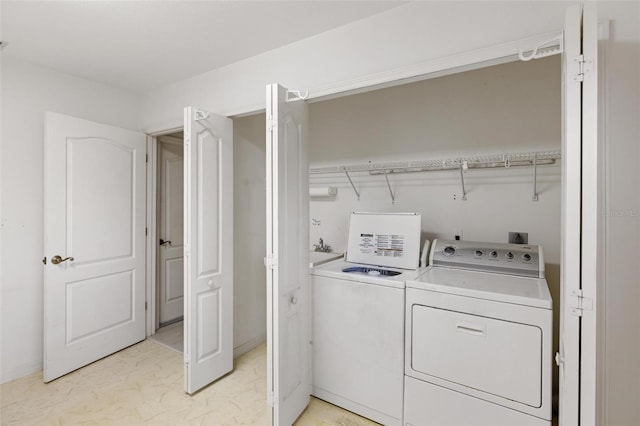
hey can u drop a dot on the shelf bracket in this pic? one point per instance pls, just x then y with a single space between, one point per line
352 185
535 178
463 167
393 197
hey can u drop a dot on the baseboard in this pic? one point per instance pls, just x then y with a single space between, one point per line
248 345
19 372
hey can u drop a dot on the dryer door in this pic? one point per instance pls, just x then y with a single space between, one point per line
499 357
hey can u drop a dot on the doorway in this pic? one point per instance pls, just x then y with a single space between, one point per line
170 245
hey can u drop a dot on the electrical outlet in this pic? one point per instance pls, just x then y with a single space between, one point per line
457 234
518 238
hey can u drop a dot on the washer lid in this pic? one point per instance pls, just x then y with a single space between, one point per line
482 285
336 269
384 239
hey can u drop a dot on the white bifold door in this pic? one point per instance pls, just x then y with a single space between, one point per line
580 218
287 261
94 272
208 248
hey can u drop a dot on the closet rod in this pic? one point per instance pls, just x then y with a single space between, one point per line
473 162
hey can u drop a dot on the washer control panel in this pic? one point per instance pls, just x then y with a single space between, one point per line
513 259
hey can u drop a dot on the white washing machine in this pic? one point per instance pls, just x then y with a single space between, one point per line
479 337
358 316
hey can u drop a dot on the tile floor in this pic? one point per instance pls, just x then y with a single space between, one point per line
143 385
171 335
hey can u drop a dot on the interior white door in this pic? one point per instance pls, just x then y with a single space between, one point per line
288 304
171 232
576 358
208 248
94 276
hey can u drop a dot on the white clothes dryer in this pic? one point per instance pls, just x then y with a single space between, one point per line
479 337
358 316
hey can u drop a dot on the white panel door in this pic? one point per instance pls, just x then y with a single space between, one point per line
580 214
94 290
288 312
208 252
171 232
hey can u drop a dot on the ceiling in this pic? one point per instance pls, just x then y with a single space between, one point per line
141 45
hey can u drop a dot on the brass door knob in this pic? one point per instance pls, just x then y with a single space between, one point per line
58 259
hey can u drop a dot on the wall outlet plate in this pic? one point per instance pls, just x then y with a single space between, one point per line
518 238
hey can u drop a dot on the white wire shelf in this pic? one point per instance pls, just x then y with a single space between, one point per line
531 159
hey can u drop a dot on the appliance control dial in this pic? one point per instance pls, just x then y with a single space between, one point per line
526 257
449 251
509 255
479 253
493 254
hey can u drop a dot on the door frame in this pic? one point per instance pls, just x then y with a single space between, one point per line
152 314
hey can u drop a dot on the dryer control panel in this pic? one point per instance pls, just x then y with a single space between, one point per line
512 259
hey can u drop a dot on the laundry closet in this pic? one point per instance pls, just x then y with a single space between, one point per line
493 115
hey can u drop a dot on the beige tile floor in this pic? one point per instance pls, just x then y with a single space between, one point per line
143 385
171 336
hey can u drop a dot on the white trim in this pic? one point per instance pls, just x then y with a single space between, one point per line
249 345
591 220
167 127
151 317
603 400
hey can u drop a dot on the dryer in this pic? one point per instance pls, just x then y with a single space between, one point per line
358 316
478 343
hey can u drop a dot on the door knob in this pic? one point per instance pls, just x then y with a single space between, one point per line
58 259
164 243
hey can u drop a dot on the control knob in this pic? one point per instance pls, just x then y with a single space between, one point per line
509 255
449 251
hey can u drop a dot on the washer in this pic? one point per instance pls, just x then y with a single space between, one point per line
358 316
479 337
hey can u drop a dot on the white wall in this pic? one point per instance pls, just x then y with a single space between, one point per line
27 92
249 234
621 292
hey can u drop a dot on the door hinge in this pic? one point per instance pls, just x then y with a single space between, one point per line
44 260
581 303
146 231
146 158
145 306
271 262
585 66
559 359
271 124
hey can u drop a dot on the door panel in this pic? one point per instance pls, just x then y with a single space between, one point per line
208 236
580 218
288 314
94 213
171 221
